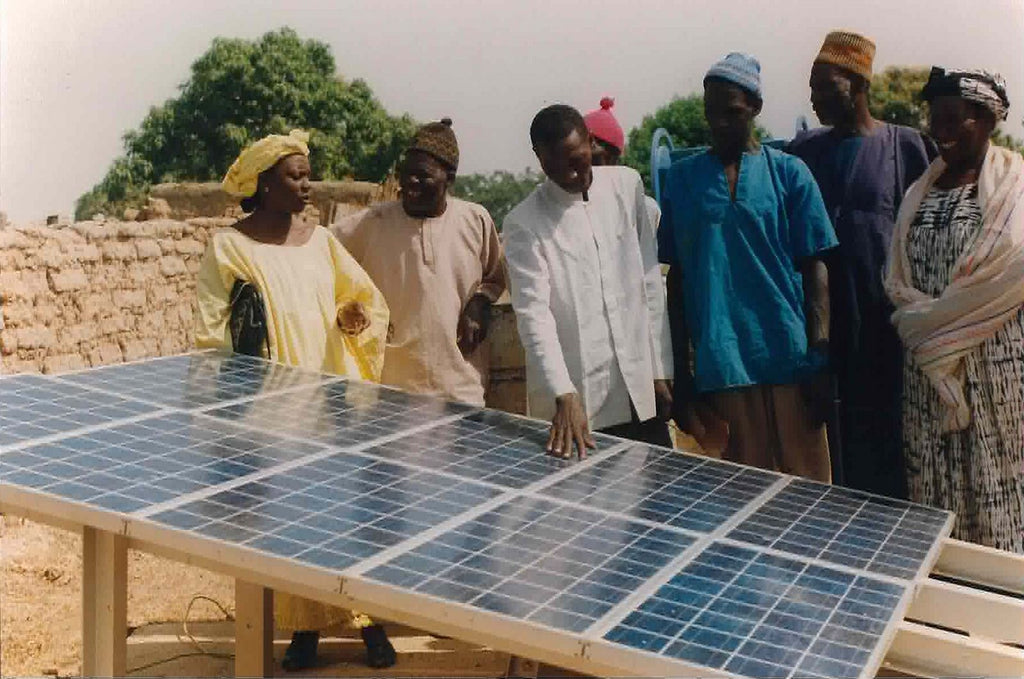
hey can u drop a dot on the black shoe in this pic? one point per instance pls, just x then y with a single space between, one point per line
301 653
379 651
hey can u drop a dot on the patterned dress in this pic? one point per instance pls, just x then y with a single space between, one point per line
978 472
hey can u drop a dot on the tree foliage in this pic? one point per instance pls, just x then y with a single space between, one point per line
499 191
683 118
896 96
239 91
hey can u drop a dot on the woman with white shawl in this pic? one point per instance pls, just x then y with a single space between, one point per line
956 277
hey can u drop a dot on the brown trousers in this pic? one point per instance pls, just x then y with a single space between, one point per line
771 427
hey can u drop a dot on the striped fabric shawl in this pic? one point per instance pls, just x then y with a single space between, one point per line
986 287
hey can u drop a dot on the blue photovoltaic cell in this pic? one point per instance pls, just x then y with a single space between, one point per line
758 615
665 486
195 380
847 527
132 466
33 407
341 413
486 446
331 512
534 559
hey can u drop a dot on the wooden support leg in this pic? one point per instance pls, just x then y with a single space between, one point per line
104 603
254 630
521 668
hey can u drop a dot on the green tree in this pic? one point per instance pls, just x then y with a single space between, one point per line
239 91
683 118
896 98
499 191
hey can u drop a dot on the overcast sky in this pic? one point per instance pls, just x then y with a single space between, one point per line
76 74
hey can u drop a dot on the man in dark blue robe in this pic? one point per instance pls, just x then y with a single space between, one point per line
863 167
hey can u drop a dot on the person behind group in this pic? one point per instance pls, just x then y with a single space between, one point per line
607 143
743 230
956 276
437 260
588 294
863 167
319 310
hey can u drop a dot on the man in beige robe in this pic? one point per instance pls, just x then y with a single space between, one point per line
437 260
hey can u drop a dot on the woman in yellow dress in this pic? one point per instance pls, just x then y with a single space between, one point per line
309 304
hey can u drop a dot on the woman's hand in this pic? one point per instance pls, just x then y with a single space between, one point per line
353 319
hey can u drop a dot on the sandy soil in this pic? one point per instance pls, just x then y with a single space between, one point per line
40 597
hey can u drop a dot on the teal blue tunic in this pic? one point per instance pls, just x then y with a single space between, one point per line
740 258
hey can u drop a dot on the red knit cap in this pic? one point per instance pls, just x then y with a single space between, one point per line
603 125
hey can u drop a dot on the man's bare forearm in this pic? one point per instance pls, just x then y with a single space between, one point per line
816 302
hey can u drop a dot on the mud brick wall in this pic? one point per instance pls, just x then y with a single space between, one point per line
96 293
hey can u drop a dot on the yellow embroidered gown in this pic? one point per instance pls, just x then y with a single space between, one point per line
303 287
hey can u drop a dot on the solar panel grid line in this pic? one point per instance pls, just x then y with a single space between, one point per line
575 467
390 422
556 566
161 369
849 528
666 573
667 487
515 636
131 465
870 667
81 431
426 536
326 452
554 479
737 609
492 447
701 464
37 408
881 648
930 558
315 582
851 570
58 511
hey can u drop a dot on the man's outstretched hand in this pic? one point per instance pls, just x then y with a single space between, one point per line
569 428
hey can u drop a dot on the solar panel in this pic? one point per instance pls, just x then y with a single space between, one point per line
341 413
34 407
538 560
194 381
487 446
331 512
754 614
846 527
661 485
651 553
131 466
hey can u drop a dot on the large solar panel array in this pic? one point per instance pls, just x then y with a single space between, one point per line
660 556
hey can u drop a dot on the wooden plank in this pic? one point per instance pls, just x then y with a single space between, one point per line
254 630
927 652
104 603
977 612
981 565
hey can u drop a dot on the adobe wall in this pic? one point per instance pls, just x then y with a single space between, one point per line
95 293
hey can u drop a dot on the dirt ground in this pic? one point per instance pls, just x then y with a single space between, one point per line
40 597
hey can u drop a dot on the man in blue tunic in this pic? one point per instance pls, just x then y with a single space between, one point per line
863 167
743 230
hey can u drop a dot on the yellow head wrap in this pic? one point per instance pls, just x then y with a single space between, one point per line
244 173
